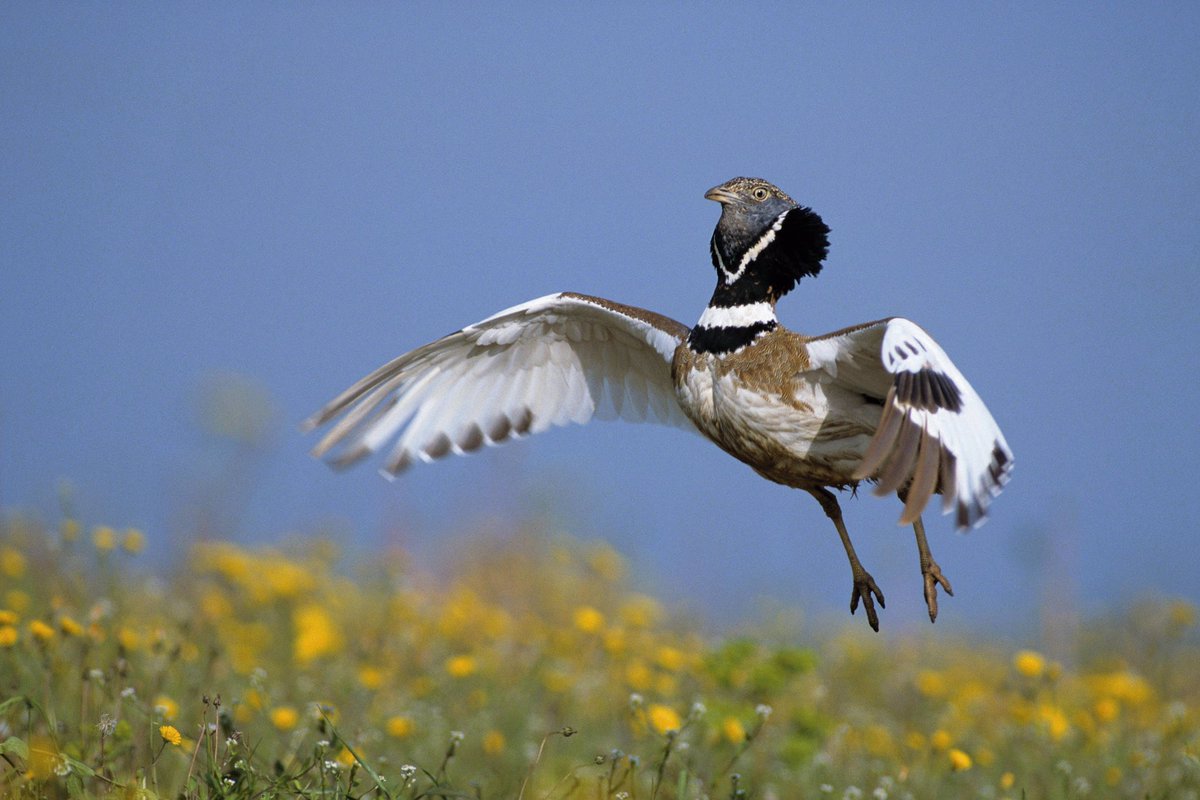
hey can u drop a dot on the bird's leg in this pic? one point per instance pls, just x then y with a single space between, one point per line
931 571
864 584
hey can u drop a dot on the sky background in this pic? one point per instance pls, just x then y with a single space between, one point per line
274 199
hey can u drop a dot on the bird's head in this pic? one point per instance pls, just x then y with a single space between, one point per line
765 241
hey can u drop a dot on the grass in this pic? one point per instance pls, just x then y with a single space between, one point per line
532 669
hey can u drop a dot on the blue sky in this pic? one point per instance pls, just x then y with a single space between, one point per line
297 193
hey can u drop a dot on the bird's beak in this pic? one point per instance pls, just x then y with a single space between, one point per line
720 194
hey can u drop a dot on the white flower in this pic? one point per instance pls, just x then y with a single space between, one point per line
763 710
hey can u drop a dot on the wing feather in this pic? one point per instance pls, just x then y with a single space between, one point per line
559 359
935 434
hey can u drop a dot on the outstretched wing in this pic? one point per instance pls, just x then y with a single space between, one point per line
935 433
557 359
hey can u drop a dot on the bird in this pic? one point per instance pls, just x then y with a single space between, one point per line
879 402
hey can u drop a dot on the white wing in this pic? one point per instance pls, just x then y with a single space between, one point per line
935 433
557 359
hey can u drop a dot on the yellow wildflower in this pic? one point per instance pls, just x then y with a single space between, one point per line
959 760
316 633
400 726
1007 780
129 638
170 735
733 730
69 626
1112 776
285 717
607 562
166 706
1055 721
12 562
69 529
41 631
104 538
370 677
931 683
8 617
940 739
8 636
1107 709
640 611
345 757
663 718
133 541
915 740
669 658
588 620
638 675
1029 663
493 743
460 666
17 600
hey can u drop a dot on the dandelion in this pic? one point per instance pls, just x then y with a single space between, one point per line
371 677
460 666
940 739
493 743
400 726
588 620
284 718
1007 780
166 707
8 636
1029 663
41 631
104 538
8 617
133 541
733 730
669 658
170 735
663 718
959 760
69 626
316 633
12 562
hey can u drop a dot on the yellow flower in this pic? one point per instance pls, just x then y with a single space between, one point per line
69 529
1029 663
493 743
638 675
931 683
8 636
1055 721
959 760
640 611
41 631
345 758
166 706
8 617
170 735
69 626
370 677
460 666
399 726
663 718
1007 780
133 541
1112 776
12 563
588 619
669 658
1181 614
1107 709
104 538
940 739
17 600
733 730
129 639
316 633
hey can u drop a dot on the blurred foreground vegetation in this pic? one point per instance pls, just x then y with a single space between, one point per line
531 669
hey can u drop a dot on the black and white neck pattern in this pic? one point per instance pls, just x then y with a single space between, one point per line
724 329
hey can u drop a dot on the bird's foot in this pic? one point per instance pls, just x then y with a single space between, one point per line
933 576
864 587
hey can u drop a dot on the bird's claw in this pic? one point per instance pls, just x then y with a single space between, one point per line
933 577
864 587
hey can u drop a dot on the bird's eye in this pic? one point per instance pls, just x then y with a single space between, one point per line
760 193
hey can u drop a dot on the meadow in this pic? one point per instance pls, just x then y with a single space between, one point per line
530 667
